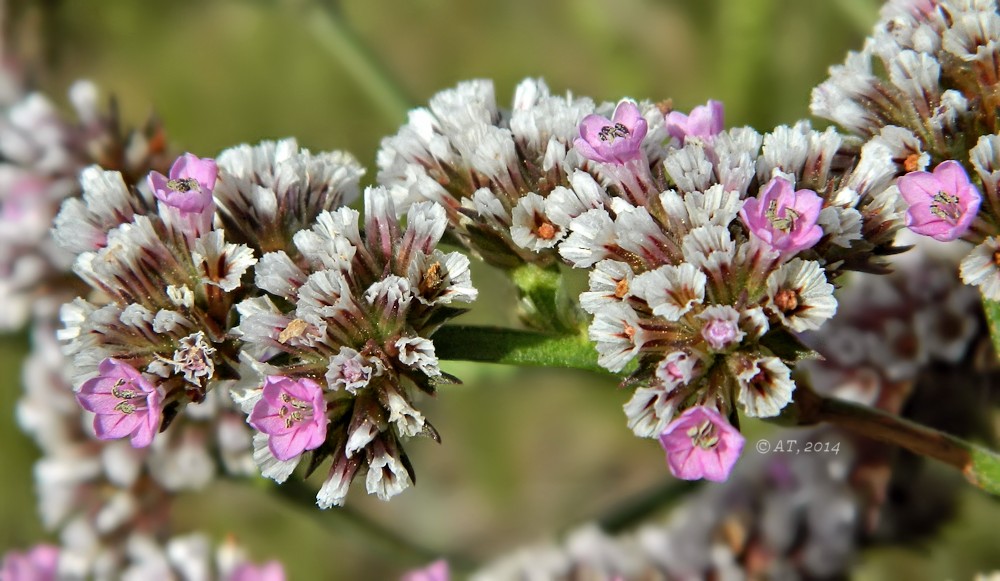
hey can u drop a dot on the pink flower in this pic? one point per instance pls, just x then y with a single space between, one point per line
704 121
617 140
700 443
942 204
721 328
188 192
270 571
38 564
125 402
293 413
436 571
783 219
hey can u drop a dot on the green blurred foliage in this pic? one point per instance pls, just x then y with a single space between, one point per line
525 453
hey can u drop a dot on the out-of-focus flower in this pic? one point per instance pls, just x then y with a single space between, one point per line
700 443
436 571
126 404
40 563
942 204
270 571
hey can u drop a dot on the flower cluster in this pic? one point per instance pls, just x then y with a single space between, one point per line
707 247
940 86
187 557
41 155
169 275
343 343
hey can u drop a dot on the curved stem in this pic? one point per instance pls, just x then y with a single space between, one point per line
979 465
332 31
638 508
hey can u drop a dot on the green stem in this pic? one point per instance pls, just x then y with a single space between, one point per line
347 522
992 309
638 508
515 347
545 302
979 465
331 29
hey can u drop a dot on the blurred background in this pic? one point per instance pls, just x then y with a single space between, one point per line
525 454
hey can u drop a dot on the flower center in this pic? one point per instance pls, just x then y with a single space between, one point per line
703 435
612 132
183 185
621 288
295 411
432 279
996 258
787 300
785 222
945 206
911 163
546 231
124 406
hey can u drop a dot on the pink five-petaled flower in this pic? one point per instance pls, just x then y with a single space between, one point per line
436 571
616 140
188 191
784 219
125 402
700 443
293 413
41 563
704 122
270 571
942 204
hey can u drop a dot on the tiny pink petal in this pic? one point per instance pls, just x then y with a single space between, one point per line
617 140
713 459
270 571
436 571
792 227
927 214
293 426
117 416
704 121
41 563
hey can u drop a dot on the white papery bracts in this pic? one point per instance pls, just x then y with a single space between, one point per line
352 311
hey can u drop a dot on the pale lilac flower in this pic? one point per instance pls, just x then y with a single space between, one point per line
293 413
38 564
187 191
942 204
125 402
700 443
704 122
436 571
270 571
721 328
617 140
784 219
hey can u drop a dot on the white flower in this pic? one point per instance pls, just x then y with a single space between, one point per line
671 291
765 387
799 295
980 268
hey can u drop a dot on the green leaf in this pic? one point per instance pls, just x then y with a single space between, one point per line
787 346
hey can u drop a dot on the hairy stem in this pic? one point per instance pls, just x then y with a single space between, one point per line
515 347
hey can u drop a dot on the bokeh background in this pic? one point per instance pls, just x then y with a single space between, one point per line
525 453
